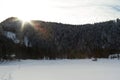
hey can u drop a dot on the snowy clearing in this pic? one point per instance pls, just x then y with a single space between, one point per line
103 69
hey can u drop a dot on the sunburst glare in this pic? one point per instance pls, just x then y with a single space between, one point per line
24 21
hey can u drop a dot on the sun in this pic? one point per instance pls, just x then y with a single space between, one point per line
24 21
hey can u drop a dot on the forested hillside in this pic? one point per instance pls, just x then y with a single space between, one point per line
48 40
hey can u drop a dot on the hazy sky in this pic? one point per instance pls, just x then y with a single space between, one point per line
66 11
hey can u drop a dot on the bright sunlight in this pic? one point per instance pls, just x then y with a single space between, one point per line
24 21
65 11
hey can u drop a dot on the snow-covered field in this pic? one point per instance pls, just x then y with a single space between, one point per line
103 69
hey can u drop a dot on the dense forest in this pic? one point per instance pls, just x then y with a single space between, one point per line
48 40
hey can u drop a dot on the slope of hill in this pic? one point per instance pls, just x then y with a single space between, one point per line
49 40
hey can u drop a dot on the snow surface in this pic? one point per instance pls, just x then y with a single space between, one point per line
102 69
26 42
12 36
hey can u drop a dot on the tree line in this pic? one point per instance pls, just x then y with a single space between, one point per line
49 40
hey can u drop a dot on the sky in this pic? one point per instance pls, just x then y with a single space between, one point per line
65 11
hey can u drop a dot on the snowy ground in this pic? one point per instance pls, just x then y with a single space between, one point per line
103 69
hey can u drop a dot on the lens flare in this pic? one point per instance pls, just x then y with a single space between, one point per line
24 21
